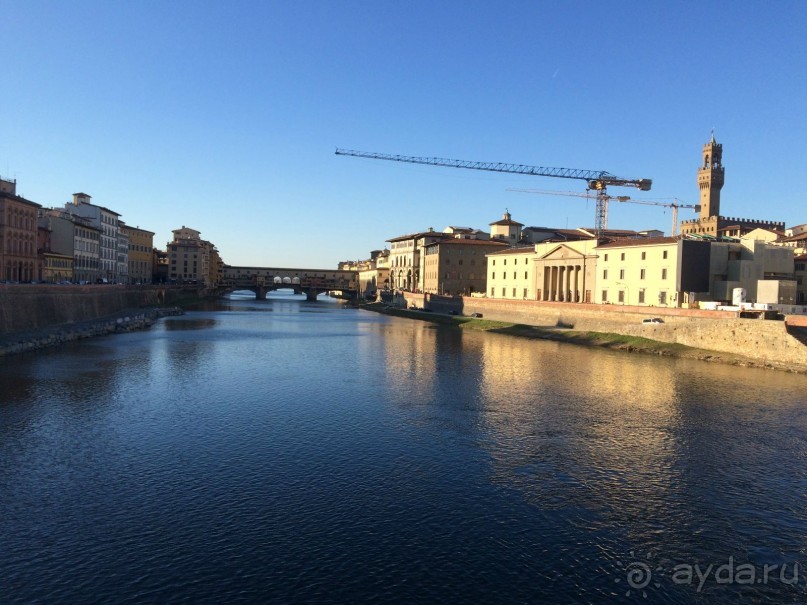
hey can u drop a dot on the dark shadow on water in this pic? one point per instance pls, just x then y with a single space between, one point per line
174 324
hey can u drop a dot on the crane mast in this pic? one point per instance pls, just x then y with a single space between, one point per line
597 180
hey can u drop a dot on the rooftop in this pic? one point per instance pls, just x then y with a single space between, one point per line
467 242
642 241
402 238
518 250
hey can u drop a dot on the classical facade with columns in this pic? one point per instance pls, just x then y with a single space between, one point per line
565 272
549 271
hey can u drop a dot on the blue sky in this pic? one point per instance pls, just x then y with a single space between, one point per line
225 116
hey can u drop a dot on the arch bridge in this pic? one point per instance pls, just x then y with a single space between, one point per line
310 282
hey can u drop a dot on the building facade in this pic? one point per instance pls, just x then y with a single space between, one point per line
800 274
193 260
550 271
658 272
506 229
140 257
106 222
406 259
18 235
122 271
510 273
743 264
565 271
457 266
374 274
74 237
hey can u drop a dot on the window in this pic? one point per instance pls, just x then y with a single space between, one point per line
642 272
514 292
662 298
525 292
644 255
493 276
622 256
492 292
525 275
605 296
606 257
621 274
664 274
641 296
622 296
605 273
664 254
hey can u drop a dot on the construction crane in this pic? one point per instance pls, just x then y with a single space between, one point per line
675 205
597 180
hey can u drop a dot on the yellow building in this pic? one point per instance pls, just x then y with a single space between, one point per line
506 229
140 258
510 273
660 271
57 268
548 271
675 272
566 271
457 266
374 274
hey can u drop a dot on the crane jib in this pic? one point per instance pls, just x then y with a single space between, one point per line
597 176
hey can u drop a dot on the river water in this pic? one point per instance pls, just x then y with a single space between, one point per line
285 452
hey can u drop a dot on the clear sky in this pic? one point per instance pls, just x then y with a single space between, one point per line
224 116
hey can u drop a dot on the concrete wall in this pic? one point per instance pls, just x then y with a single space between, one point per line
719 331
30 307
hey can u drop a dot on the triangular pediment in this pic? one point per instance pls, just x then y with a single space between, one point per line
562 252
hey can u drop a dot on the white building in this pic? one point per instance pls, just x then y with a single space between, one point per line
106 221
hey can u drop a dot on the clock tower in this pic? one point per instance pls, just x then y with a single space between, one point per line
710 178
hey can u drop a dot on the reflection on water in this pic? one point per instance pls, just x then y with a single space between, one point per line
284 451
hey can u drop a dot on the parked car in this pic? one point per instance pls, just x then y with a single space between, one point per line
476 315
653 320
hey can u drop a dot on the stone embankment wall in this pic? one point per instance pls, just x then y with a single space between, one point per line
37 316
33 307
721 331
21 342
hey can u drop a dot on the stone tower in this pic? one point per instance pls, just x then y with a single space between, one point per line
710 178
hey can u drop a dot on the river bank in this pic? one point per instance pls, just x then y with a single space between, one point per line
51 336
608 340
